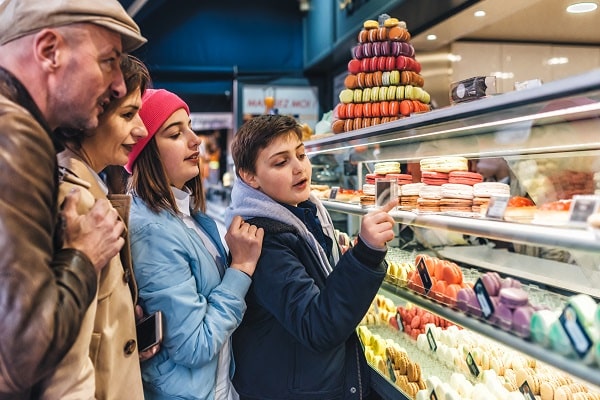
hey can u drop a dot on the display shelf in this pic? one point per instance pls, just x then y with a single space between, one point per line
572 366
539 270
580 239
547 136
473 118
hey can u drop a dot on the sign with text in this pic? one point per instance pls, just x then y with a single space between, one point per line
301 102
211 121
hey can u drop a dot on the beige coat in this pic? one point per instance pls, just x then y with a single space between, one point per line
107 340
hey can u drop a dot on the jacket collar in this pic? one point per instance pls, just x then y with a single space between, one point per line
13 89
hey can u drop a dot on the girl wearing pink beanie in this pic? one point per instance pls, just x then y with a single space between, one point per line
180 263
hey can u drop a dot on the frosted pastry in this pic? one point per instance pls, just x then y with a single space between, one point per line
513 297
387 167
368 189
423 395
444 164
559 340
457 191
585 307
541 321
430 192
465 177
522 320
411 189
492 282
434 178
510 282
489 189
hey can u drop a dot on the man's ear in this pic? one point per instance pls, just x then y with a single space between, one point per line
47 45
249 178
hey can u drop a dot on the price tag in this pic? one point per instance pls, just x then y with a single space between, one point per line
333 192
526 390
399 321
573 328
582 207
424 274
483 298
385 191
497 207
431 340
472 366
390 368
375 307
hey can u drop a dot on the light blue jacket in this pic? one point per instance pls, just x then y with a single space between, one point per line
177 275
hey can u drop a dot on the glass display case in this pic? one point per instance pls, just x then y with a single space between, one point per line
544 142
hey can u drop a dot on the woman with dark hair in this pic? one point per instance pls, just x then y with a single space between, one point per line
180 263
104 362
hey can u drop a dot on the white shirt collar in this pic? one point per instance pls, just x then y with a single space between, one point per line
182 198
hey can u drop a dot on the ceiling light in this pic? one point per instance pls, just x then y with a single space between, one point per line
557 60
304 5
479 13
582 7
431 37
503 75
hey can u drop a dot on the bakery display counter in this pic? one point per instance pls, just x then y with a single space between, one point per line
544 272
546 141
473 224
573 366
579 279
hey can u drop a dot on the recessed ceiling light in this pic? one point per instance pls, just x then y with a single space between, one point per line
582 7
479 13
557 60
503 75
431 37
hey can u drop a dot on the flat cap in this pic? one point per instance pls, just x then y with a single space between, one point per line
23 17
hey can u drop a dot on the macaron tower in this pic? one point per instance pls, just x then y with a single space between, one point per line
383 82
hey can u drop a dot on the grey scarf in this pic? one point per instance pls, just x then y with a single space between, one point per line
248 202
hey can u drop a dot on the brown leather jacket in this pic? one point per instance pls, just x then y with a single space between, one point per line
44 290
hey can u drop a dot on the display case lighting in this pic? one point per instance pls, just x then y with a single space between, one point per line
557 61
582 7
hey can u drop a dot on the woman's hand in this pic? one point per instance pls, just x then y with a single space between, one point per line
151 352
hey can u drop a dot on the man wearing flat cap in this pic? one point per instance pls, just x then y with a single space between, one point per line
59 67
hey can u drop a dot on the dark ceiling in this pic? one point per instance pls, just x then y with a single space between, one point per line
197 48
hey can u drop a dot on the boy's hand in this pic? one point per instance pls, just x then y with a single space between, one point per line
245 244
376 228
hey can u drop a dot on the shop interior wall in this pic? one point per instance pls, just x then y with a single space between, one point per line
518 62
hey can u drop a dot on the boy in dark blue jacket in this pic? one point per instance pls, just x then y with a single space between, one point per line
297 339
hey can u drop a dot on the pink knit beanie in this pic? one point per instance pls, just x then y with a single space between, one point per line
157 106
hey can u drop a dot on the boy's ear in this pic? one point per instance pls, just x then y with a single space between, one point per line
249 178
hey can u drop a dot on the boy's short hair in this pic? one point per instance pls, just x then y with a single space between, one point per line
256 134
